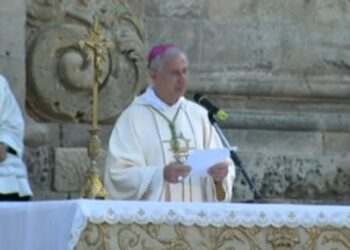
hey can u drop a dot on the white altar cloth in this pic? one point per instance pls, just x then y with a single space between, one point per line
58 224
37 225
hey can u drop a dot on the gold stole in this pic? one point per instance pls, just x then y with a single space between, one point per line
180 147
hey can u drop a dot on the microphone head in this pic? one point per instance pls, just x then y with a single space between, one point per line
221 115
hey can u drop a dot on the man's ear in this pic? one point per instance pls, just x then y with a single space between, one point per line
153 74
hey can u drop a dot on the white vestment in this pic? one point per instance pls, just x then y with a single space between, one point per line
139 148
13 172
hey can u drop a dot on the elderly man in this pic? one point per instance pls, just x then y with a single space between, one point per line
13 173
154 135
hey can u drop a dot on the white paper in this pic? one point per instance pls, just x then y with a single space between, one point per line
202 160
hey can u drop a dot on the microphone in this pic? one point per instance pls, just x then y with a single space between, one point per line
212 109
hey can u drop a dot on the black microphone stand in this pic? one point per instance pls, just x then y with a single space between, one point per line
234 156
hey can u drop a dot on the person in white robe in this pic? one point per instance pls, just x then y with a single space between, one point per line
154 135
14 183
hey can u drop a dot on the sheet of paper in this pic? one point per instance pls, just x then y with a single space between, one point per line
202 160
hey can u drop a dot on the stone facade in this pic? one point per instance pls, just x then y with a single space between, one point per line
12 48
59 71
280 69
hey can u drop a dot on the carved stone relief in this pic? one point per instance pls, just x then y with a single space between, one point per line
59 76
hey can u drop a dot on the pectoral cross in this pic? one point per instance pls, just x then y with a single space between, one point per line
182 153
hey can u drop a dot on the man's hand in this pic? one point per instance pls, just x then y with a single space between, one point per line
3 152
218 171
175 172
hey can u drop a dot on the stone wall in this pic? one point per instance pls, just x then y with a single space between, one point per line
12 45
280 69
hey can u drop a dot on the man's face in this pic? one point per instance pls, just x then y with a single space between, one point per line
170 81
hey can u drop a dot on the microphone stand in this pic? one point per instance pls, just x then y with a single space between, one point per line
234 156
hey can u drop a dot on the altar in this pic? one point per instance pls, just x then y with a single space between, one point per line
96 224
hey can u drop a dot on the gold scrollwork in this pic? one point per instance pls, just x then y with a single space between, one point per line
164 236
283 238
222 237
326 235
96 236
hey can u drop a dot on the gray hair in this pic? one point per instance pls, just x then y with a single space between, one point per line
175 52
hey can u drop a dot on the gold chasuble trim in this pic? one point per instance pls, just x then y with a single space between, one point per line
192 129
180 147
219 190
195 146
174 143
174 140
183 190
190 189
167 195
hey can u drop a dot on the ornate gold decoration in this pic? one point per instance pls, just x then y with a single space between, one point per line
94 45
182 153
164 236
97 236
283 238
324 235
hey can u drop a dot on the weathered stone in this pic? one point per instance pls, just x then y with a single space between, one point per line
299 48
49 195
39 163
274 11
276 142
288 121
283 121
328 11
180 8
14 5
162 31
138 7
337 143
60 74
70 167
226 44
12 61
11 69
38 134
296 177
12 46
78 135
313 49
237 11
12 42
74 195
258 82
